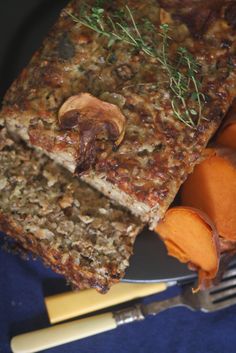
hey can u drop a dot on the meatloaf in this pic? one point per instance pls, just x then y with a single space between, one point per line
109 110
73 228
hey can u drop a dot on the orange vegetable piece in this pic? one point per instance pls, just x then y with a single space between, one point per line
192 238
212 188
227 137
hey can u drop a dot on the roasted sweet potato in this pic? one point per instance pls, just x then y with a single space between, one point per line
192 238
212 188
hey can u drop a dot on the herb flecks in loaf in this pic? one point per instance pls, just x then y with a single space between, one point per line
183 71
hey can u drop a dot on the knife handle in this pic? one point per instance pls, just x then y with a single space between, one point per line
68 305
63 333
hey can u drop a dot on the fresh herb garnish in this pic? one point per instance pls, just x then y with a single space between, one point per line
186 97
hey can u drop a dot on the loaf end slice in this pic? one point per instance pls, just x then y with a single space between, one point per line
72 227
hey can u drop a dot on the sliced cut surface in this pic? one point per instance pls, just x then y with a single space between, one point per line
77 231
212 188
192 238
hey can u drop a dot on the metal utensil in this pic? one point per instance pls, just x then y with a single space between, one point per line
216 298
221 296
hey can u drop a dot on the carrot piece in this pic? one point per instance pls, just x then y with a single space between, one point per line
212 188
227 133
192 238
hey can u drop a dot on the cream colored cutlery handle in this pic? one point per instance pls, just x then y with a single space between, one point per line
63 333
67 305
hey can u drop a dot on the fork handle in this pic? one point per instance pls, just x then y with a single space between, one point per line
63 333
71 331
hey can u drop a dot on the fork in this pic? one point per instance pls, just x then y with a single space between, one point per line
218 297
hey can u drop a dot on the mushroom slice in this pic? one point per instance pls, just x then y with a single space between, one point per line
95 120
84 111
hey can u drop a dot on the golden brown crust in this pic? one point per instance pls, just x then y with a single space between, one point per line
158 151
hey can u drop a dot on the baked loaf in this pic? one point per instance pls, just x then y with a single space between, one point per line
73 228
123 100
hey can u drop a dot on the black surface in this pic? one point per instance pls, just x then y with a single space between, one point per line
23 25
150 261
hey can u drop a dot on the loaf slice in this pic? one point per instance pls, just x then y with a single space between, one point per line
73 228
133 148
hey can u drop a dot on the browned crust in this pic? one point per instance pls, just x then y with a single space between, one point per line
230 118
149 176
197 14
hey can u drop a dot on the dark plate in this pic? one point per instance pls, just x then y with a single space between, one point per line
23 25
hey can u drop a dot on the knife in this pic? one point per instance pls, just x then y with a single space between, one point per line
56 335
68 305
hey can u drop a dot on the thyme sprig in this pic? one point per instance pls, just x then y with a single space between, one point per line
186 97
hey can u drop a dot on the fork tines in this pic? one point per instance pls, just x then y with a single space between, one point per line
223 294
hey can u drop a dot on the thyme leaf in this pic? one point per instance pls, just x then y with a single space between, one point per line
186 97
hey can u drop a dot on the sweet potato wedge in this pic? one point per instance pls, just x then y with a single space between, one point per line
212 188
192 238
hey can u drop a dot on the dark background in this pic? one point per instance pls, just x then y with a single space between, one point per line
23 25
23 284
